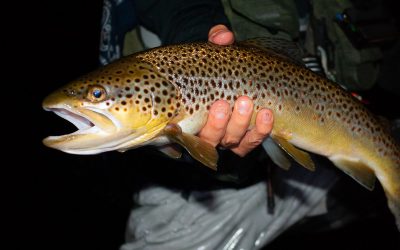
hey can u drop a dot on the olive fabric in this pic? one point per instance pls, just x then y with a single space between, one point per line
356 69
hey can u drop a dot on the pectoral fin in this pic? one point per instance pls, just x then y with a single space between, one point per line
197 148
356 169
301 157
171 151
277 155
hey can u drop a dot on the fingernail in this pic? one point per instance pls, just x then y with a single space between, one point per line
220 112
215 33
266 117
244 107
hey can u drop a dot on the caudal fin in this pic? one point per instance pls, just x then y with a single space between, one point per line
394 206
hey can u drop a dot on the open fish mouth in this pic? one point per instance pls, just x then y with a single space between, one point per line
82 123
90 124
97 132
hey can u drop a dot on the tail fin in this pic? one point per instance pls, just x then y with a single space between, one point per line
392 184
394 206
390 180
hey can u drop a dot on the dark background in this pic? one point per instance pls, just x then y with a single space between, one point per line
62 201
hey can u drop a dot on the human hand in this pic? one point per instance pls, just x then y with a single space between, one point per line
230 128
221 35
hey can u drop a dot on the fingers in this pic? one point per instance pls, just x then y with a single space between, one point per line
256 135
231 130
221 35
237 137
239 122
216 124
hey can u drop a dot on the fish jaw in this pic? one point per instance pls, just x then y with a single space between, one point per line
99 131
94 130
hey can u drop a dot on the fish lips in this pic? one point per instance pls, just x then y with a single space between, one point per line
93 127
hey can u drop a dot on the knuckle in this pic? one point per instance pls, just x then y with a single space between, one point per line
211 135
253 141
244 122
263 131
241 153
230 141
218 127
216 130
262 128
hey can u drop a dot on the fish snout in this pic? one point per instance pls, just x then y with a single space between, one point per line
59 97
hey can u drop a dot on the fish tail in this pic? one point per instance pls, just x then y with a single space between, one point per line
388 175
394 200
394 206
390 181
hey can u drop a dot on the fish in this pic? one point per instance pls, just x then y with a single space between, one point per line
162 96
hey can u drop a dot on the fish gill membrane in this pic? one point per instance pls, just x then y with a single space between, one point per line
162 96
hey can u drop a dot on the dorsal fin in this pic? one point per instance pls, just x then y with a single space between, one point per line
283 48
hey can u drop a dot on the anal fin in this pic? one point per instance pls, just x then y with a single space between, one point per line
355 169
197 148
300 156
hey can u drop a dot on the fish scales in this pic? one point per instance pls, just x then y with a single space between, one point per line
162 96
297 96
205 73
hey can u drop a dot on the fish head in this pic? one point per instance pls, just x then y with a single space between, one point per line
121 106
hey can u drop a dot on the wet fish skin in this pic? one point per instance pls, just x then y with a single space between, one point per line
145 92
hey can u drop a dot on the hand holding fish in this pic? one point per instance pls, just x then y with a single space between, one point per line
229 129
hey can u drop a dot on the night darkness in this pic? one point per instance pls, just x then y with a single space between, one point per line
61 201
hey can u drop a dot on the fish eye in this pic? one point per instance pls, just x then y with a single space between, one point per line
96 94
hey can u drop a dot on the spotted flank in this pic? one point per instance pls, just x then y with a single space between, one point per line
162 97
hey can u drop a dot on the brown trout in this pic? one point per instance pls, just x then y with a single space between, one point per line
162 96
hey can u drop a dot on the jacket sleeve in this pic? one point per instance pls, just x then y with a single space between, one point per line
176 21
